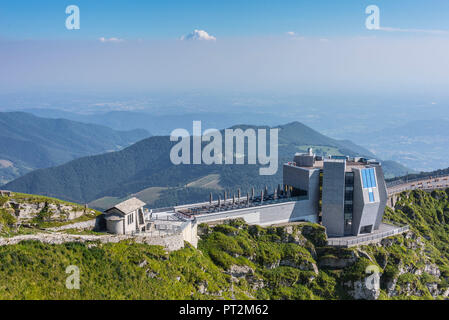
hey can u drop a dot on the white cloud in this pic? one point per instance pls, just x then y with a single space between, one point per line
199 35
429 31
294 35
103 39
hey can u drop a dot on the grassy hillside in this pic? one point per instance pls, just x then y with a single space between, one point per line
146 164
237 261
24 213
28 142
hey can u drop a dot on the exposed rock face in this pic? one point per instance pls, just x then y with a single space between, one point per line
255 283
240 271
360 291
202 287
432 269
395 287
337 263
304 265
58 211
293 236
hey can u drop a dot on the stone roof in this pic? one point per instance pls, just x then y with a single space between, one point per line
113 217
129 205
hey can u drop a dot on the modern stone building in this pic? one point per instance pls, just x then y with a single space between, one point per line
347 195
351 192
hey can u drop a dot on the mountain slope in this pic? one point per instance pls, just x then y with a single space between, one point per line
28 142
237 261
163 124
147 164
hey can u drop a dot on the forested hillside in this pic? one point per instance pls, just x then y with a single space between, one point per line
28 142
147 164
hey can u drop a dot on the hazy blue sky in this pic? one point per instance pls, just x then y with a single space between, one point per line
280 46
167 19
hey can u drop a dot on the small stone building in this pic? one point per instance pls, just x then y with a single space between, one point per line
126 217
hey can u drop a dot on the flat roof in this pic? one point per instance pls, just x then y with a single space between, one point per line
316 165
320 164
229 205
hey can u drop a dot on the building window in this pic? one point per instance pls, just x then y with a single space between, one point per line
369 178
369 182
366 229
348 209
349 195
298 192
130 218
349 179
348 206
371 195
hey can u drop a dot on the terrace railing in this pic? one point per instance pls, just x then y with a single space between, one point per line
398 182
364 239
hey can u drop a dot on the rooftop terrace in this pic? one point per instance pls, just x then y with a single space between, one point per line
319 164
192 210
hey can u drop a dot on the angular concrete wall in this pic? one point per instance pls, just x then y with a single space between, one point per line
298 177
333 197
368 213
383 195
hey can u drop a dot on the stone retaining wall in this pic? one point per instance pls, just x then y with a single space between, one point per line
94 224
171 243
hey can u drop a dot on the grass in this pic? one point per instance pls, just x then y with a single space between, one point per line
280 262
45 218
84 232
22 197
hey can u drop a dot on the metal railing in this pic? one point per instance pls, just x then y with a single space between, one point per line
402 181
243 204
363 239
420 187
419 183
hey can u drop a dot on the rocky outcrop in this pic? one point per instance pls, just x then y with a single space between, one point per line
25 210
358 290
337 262
293 235
303 265
240 271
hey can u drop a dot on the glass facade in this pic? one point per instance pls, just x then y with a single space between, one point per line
369 178
369 182
349 196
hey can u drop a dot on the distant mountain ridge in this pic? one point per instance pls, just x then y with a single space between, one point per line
161 125
146 164
28 142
